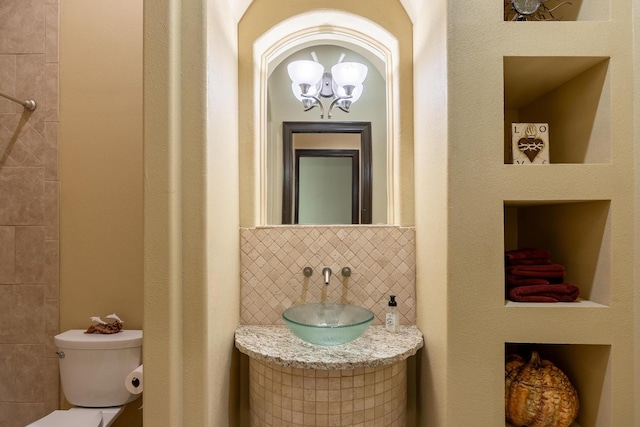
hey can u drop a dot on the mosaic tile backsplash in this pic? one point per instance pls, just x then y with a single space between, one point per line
381 259
292 397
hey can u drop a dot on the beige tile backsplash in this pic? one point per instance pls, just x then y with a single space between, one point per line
29 194
381 258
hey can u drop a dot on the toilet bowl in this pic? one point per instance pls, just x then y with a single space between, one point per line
93 370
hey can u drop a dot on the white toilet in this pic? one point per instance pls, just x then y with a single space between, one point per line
93 369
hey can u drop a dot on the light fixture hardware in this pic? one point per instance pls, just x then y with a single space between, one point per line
343 84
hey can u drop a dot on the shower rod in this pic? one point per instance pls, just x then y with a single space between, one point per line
29 104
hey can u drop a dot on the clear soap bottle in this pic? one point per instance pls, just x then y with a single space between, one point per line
391 323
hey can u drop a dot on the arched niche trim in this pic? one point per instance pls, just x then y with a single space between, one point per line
322 27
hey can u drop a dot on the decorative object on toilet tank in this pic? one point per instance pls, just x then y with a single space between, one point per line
103 327
538 394
530 143
530 10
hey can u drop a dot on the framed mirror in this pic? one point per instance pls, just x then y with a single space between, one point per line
336 180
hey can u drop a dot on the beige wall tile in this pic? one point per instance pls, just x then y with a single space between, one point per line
51 31
382 260
28 156
51 98
8 83
51 383
51 328
31 84
7 255
30 254
20 414
22 314
51 210
51 143
51 270
29 373
23 26
28 149
22 191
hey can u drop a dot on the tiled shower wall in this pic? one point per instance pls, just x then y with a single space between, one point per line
29 189
381 258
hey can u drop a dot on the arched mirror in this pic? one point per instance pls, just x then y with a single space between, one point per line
363 128
327 173
324 33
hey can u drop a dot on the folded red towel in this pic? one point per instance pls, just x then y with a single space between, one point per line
513 281
539 271
565 292
527 253
528 261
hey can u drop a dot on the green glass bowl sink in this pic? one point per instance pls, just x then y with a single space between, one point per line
327 323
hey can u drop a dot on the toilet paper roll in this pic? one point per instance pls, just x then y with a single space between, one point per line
134 382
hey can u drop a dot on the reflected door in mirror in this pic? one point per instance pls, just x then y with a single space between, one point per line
327 187
326 173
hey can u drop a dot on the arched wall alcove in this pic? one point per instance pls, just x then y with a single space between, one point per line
267 37
378 51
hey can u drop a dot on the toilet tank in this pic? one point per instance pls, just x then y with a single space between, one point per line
93 367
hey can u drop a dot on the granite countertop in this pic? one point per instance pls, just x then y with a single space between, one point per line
376 347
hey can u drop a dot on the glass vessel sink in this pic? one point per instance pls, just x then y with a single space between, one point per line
327 323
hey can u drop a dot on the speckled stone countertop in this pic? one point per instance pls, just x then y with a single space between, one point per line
376 347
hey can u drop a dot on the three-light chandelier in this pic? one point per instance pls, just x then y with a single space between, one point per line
343 84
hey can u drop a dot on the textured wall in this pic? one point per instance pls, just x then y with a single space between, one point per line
382 260
29 187
101 167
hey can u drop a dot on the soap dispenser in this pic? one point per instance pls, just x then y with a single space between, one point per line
391 323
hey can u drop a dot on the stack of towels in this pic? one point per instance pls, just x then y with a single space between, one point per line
532 277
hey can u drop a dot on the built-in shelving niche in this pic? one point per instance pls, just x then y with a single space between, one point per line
580 10
571 94
589 370
578 235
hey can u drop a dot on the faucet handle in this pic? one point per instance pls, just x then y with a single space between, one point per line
307 271
346 271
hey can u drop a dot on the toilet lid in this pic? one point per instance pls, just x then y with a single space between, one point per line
91 418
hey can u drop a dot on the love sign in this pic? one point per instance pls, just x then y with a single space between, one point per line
530 143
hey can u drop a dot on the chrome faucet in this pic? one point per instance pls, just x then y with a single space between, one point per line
326 272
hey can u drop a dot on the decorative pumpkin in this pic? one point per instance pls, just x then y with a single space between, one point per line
538 394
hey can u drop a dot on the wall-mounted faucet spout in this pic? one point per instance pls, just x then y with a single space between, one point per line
326 272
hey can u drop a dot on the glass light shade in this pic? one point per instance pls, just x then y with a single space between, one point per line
305 72
526 7
355 95
297 91
349 73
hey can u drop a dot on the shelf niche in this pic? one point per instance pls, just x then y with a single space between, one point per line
571 94
579 10
588 367
578 235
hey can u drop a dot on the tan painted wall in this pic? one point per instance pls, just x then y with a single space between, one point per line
460 229
636 106
191 214
101 228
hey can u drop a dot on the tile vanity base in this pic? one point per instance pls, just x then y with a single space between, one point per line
295 397
296 384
